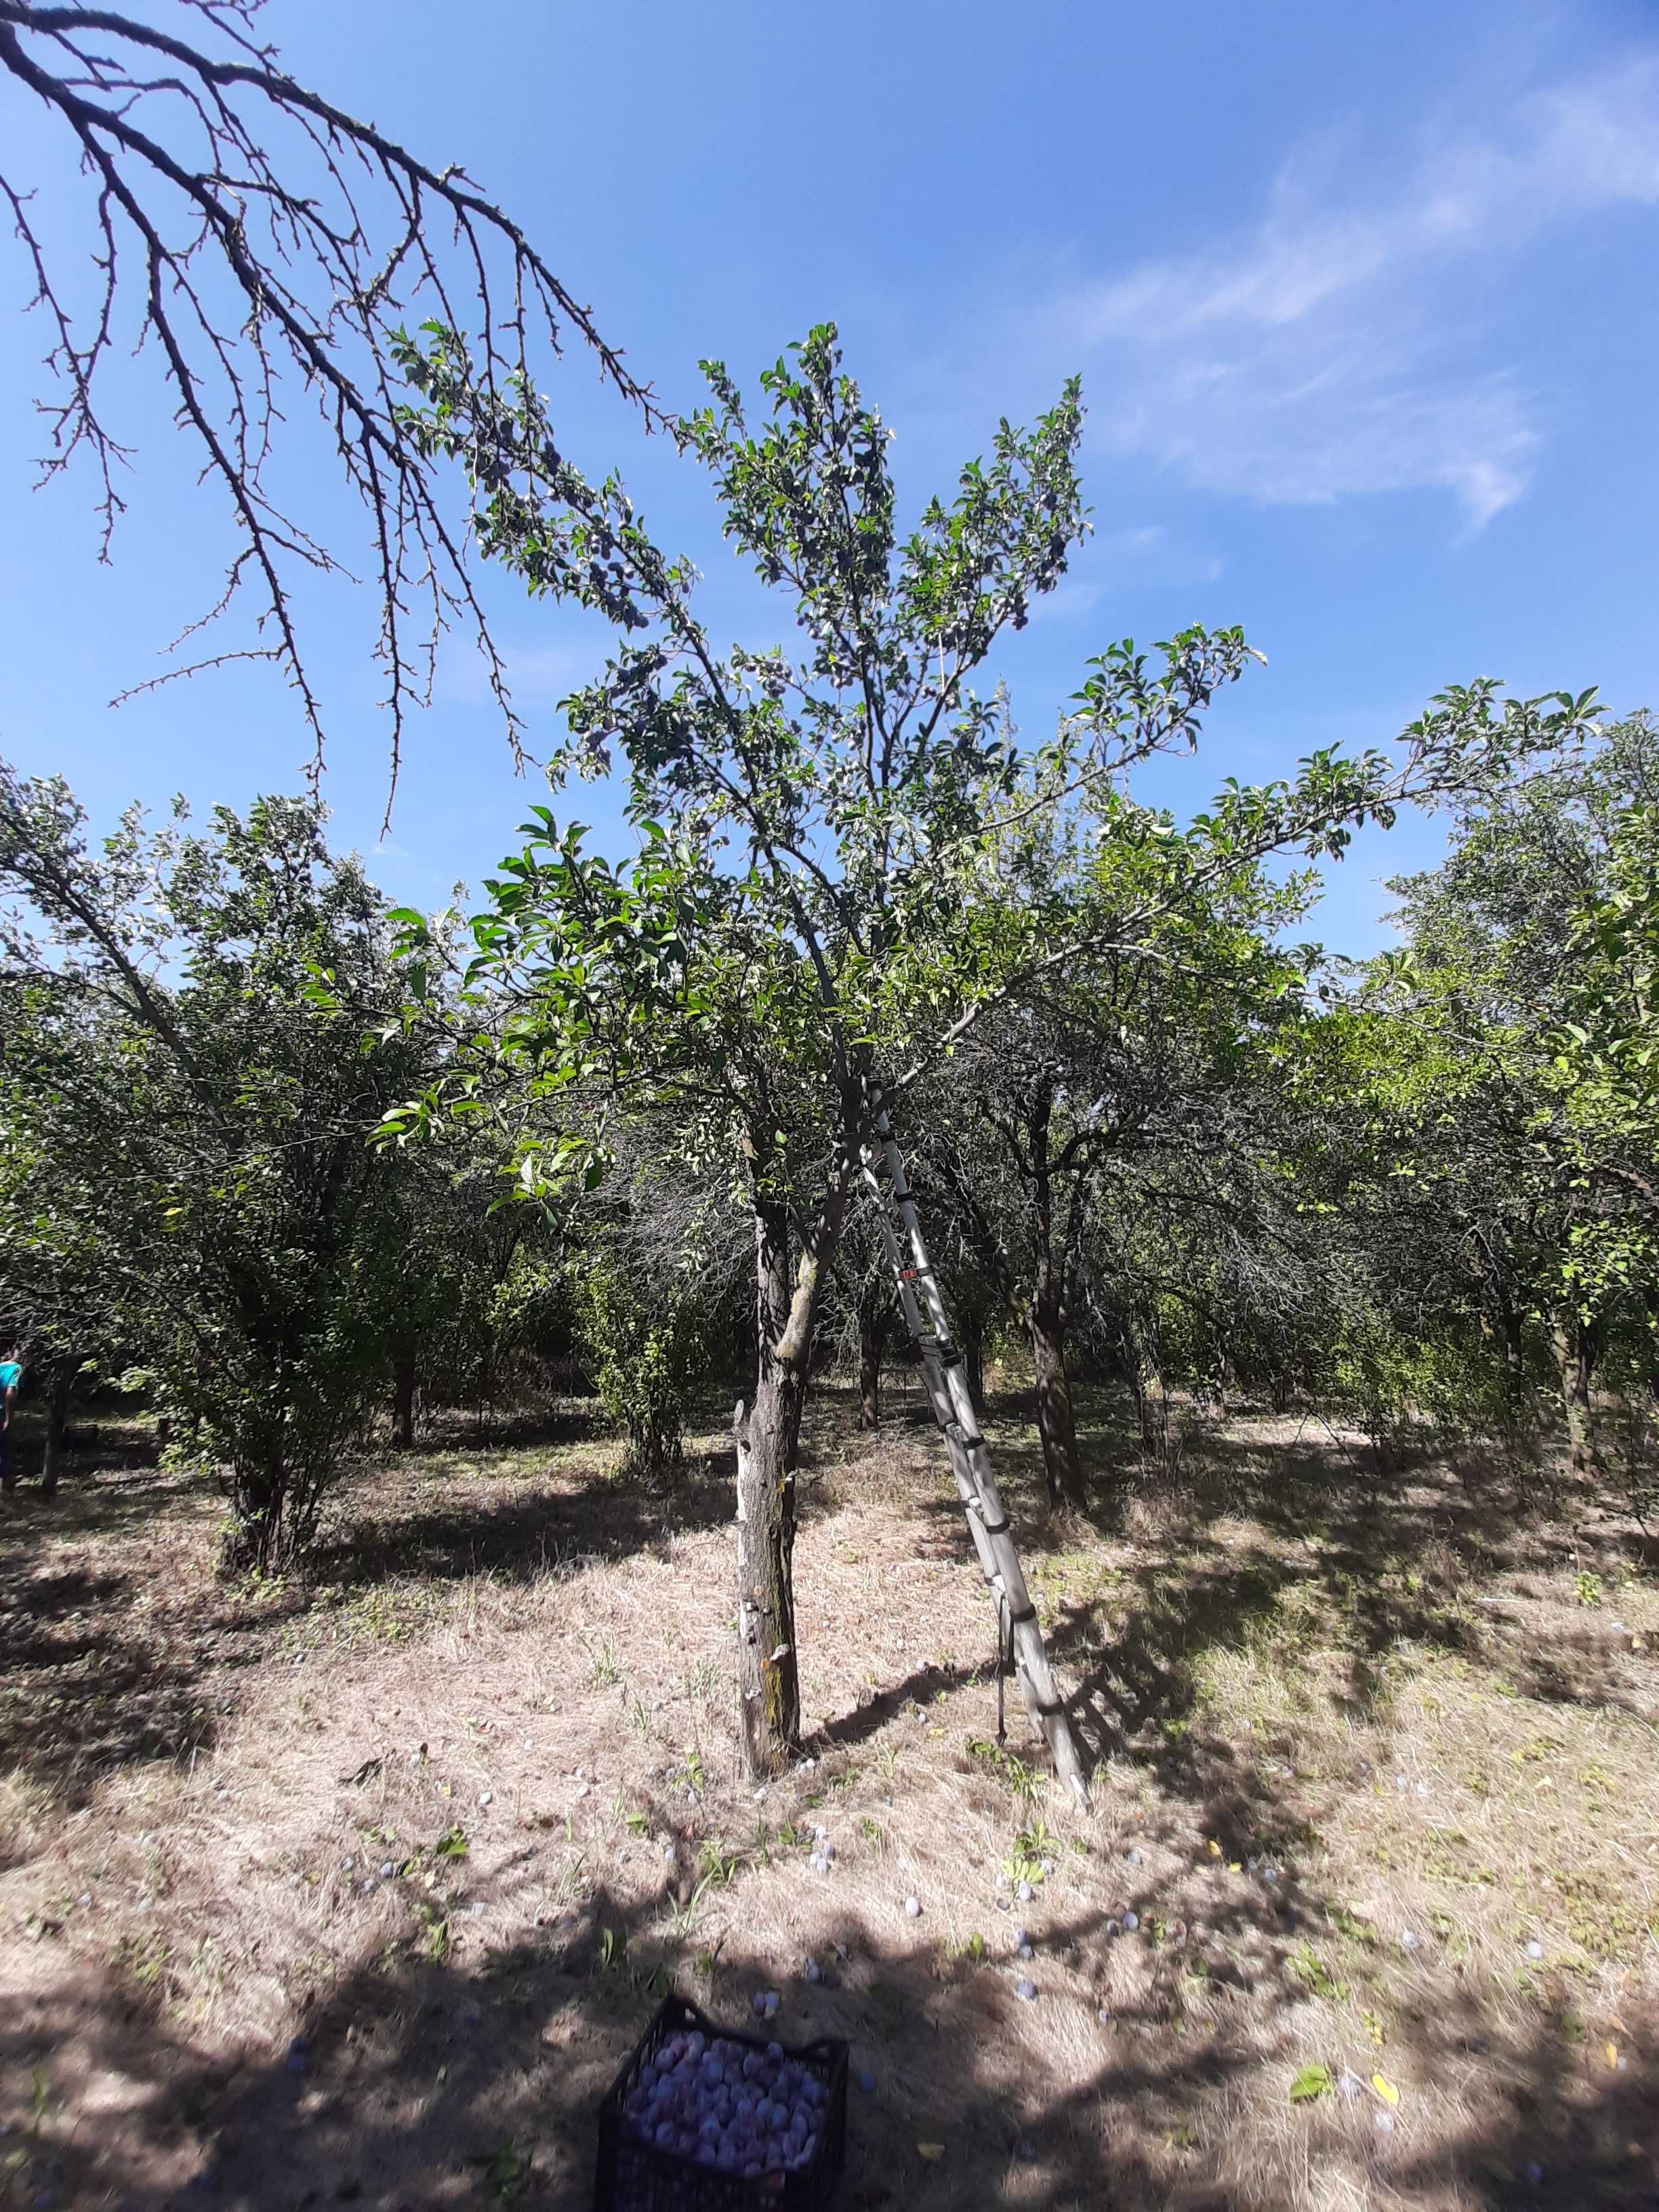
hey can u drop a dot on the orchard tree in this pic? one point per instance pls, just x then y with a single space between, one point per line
829 890
1515 1069
652 1264
212 1026
1124 1073
461 1298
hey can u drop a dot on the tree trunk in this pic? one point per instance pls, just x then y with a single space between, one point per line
769 1674
1056 1417
256 1541
872 1342
402 1383
768 1680
971 1462
1046 1316
1576 1344
1515 1372
973 1357
58 1392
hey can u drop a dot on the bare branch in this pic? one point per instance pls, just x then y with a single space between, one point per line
280 237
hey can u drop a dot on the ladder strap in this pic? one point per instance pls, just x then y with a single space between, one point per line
997 1527
1018 1619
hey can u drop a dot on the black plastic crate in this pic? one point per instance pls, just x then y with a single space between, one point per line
634 2176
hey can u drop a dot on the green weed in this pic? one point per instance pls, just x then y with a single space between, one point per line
1305 1965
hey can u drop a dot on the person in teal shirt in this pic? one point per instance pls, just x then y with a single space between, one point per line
11 1374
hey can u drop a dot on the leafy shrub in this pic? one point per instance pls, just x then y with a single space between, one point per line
647 1355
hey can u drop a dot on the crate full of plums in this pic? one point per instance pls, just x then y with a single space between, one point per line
703 2119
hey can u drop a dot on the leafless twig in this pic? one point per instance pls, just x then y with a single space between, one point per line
251 231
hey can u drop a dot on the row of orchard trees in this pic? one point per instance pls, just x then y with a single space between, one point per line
201 1034
1130 1137
1429 1193
1418 1187
255 1130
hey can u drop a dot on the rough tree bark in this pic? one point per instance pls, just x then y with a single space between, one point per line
768 1681
786 1309
1515 1363
1056 1416
257 1541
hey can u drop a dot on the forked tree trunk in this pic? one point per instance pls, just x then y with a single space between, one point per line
872 1342
1056 1416
946 1379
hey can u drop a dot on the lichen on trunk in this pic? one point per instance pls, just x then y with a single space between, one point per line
768 1677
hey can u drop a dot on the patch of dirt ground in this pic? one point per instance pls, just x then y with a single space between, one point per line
357 1890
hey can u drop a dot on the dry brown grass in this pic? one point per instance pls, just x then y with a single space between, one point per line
1405 1696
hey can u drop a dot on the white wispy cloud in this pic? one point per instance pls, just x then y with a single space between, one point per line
539 672
1148 553
1327 350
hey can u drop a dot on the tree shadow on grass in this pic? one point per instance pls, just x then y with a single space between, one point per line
109 1489
1390 1557
449 1430
87 1683
878 1707
476 2077
92 1682
517 1538
421 2081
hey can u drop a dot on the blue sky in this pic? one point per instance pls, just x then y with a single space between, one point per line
1365 301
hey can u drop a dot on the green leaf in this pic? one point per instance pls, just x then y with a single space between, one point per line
1310 2083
